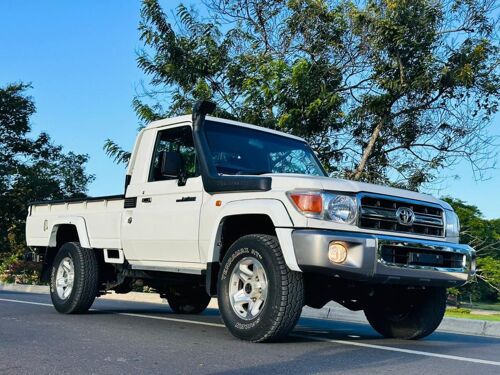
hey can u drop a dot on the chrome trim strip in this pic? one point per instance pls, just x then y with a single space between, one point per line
367 207
369 212
465 250
388 214
400 199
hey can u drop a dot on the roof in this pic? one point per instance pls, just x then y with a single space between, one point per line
188 118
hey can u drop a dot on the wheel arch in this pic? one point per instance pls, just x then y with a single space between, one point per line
239 218
67 229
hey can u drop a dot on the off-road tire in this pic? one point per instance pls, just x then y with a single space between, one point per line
408 314
86 280
187 299
285 292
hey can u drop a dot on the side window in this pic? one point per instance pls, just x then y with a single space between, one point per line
174 140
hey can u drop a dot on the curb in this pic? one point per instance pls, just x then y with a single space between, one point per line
39 289
331 311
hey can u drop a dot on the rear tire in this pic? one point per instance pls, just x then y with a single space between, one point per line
408 314
260 298
74 280
187 299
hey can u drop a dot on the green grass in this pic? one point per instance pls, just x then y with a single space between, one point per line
486 306
491 318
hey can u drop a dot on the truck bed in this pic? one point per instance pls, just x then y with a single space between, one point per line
101 215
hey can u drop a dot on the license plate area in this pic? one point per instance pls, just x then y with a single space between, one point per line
411 256
425 259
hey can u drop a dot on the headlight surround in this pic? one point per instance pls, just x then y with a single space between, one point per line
452 224
337 208
341 208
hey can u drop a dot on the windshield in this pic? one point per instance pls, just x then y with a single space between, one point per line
237 150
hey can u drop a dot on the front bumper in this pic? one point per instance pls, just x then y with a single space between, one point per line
385 259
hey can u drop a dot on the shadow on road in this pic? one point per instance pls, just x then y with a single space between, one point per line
316 328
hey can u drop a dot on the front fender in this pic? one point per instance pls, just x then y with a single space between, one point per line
274 209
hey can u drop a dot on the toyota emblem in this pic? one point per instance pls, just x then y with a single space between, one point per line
405 216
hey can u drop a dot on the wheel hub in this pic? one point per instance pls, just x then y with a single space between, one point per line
65 278
248 288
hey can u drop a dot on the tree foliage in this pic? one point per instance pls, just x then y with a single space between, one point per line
480 233
385 91
484 236
31 169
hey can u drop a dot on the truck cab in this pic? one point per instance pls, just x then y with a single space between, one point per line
219 208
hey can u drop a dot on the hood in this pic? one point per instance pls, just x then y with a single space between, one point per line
300 181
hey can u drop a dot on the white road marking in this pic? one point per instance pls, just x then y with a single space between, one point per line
173 319
26 302
126 314
393 349
315 338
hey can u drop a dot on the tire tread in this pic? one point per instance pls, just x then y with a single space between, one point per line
86 280
291 292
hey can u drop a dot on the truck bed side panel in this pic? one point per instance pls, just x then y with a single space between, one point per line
102 220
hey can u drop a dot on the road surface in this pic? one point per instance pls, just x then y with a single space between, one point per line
119 337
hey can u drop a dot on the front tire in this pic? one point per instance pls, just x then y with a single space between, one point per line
74 281
260 298
404 313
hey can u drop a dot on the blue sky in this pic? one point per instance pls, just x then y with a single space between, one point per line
80 58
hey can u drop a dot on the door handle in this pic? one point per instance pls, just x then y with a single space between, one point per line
146 200
186 199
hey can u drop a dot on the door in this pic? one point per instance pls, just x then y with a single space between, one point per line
163 227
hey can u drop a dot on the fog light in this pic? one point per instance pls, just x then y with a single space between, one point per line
337 252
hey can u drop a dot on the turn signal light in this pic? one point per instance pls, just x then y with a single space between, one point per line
307 202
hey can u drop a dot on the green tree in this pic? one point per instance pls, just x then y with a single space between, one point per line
385 91
31 169
489 274
480 233
484 236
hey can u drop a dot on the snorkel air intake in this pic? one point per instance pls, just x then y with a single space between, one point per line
212 181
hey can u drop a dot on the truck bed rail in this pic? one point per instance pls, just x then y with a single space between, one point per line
75 200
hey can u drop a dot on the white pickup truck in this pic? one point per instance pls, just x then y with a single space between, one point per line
214 207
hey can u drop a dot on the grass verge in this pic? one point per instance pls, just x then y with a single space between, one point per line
458 314
487 306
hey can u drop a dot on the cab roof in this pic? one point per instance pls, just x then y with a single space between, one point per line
188 118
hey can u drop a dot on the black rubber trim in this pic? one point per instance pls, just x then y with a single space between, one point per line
74 200
186 199
211 277
212 182
128 178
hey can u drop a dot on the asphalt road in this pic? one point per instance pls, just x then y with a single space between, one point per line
140 338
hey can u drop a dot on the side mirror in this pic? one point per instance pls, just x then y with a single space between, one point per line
172 166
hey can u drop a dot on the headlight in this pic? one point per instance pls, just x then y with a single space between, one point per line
452 224
338 208
341 208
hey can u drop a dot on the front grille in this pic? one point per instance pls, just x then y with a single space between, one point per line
408 256
379 213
